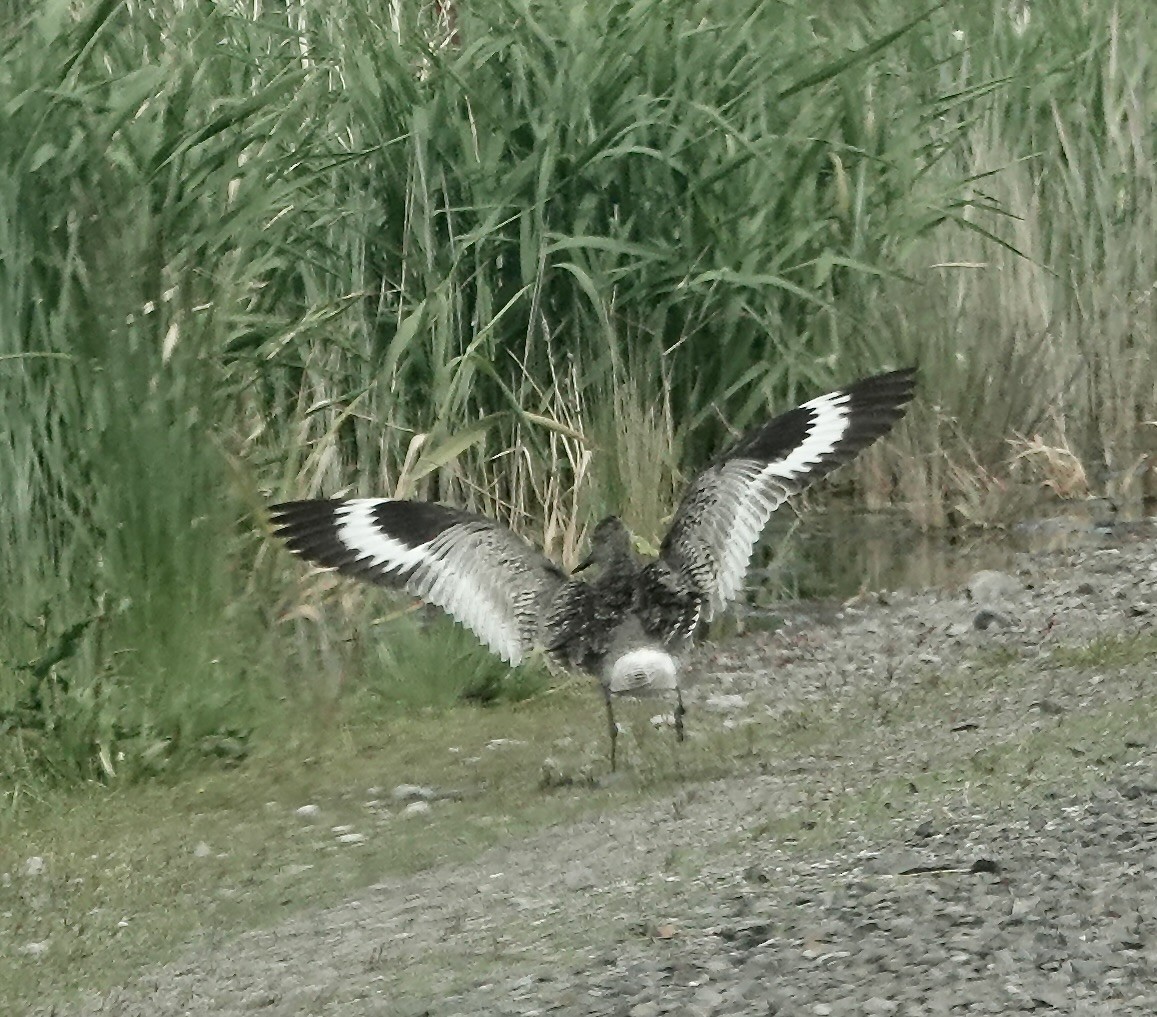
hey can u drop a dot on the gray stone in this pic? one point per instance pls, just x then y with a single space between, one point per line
412 793
989 587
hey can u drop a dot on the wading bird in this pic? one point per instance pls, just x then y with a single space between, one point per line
632 625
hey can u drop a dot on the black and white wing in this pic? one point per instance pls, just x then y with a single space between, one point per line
475 569
725 509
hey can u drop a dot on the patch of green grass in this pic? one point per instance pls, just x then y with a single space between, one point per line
124 884
1111 652
135 872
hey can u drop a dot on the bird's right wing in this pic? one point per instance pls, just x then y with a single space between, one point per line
475 569
724 511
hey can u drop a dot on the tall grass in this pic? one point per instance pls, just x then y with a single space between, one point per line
541 264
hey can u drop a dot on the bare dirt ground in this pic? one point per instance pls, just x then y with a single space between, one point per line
967 824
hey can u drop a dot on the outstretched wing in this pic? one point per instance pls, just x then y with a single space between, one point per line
721 516
475 569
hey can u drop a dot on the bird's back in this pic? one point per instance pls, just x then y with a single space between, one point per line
627 627
580 624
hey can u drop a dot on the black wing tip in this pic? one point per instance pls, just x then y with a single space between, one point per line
292 520
898 385
309 530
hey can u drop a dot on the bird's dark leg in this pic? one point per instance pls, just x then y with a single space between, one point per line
680 710
611 725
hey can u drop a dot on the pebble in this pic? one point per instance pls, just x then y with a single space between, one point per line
412 793
991 587
725 703
34 866
416 809
986 619
307 811
579 877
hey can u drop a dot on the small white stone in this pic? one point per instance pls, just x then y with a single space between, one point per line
725 703
579 877
294 870
202 850
351 838
34 866
416 809
307 811
497 743
344 828
35 949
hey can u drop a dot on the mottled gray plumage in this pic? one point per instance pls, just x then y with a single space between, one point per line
631 625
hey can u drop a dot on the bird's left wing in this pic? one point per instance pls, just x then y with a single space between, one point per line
725 509
475 569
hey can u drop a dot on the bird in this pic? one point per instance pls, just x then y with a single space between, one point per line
631 626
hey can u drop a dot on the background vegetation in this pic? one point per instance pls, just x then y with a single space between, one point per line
534 258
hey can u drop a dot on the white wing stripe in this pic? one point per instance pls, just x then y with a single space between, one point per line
447 573
746 500
829 426
358 531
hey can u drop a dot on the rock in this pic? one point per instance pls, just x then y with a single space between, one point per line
579 877
35 949
987 619
34 866
202 850
307 811
991 587
412 793
351 838
725 703
416 809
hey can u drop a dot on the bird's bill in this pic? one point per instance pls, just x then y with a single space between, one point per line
586 563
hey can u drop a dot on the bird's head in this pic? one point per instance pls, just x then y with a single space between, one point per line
610 542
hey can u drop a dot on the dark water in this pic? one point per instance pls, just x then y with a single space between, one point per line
836 555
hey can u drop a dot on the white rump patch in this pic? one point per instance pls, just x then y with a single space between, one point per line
648 670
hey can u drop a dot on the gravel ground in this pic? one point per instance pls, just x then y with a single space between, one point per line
924 867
